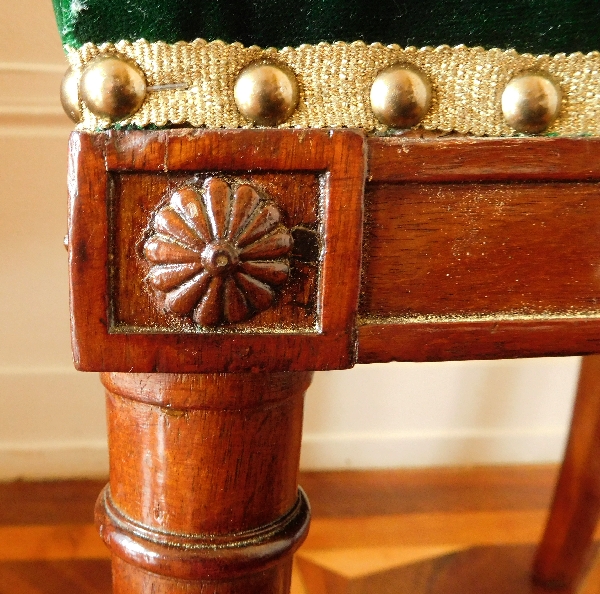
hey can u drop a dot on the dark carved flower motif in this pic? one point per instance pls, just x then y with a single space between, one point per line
218 253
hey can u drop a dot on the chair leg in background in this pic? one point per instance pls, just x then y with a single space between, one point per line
575 510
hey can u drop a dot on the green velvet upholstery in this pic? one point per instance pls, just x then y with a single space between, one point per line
537 26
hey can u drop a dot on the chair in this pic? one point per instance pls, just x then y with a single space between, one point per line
240 217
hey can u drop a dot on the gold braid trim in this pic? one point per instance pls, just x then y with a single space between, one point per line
335 81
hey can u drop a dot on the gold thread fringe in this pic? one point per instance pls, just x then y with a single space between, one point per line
335 81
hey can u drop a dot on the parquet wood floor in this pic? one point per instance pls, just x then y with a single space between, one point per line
434 531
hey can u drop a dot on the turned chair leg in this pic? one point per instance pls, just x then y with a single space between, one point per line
575 510
203 495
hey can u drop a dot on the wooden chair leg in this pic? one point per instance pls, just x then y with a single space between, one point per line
575 510
203 495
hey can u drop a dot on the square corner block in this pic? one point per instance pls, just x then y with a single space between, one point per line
197 251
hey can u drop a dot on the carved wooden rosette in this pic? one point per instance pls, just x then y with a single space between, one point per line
182 264
218 253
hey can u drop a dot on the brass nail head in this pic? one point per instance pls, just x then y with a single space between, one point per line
112 87
69 95
266 93
531 101
401 96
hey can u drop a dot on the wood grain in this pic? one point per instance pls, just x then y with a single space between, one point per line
575 511
318 179
428 529
345 494
73 576
203 480
356 562
57 502
127 580
50 542
479 248
477 339
475 250
481 569
333 493
135 305
434 159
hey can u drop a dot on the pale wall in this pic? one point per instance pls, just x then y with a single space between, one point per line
52 418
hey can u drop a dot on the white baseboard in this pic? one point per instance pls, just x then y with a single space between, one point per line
46 461
52 426
54 461
436 448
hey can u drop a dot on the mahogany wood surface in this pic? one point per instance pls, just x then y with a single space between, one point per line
575 510
470 159
477 339
474 248
480 248
119 182
136 309
203 481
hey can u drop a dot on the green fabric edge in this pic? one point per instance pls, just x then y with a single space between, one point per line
549 26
